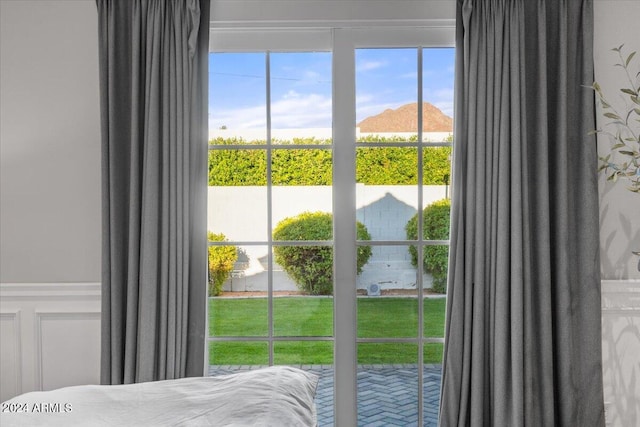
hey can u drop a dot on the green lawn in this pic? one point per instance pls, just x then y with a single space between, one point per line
313 316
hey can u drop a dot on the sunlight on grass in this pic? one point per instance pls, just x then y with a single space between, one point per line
238 353
303 317
387 353
238 317
313 316
303 352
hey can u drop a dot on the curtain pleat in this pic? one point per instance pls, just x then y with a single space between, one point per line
154 85
523 343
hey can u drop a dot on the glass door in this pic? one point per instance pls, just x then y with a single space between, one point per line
404 102
270 214
329 166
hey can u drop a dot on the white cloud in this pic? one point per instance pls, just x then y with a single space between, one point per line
370 65
293 110
301 111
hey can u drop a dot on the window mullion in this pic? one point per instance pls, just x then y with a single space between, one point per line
344 193
269 209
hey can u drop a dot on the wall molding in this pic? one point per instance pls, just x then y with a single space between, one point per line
621 297
44 316
620 345
38 291
34 309
13 316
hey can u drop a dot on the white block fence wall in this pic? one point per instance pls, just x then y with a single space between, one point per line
240 214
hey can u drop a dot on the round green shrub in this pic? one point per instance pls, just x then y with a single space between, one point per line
435 227
221 261
311 267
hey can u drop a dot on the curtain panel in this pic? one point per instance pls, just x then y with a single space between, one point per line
523 340
153 88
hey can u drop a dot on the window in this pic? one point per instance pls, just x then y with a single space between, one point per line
313 190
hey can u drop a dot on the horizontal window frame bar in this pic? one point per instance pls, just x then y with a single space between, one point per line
330 243
266 339
403 242
272 147
416 340
397 144
273 243
407 144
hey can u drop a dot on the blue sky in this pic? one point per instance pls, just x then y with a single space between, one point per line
301 86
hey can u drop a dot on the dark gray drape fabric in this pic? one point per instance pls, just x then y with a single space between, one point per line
153 84
523 344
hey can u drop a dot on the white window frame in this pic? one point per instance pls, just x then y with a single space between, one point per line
342 41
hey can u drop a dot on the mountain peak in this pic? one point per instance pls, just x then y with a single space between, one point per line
405 119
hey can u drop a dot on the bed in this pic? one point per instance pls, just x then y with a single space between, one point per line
275 396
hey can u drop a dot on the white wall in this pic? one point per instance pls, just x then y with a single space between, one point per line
49 142
289 13
49 195
616 23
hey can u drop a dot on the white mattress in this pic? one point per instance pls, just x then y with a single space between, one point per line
275 396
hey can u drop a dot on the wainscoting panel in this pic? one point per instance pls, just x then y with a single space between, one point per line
621 351
56 333
10 354
49 336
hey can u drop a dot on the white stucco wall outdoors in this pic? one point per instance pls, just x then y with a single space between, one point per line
383 209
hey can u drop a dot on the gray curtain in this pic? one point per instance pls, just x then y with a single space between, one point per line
153 87
523 344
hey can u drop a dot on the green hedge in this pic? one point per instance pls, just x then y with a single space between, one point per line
435 227
375 165
221 261
311 267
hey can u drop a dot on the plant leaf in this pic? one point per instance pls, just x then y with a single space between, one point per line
629 58
612 116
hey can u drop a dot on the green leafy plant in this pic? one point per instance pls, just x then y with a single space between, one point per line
622 128
221 261
311 267
374 166
435 219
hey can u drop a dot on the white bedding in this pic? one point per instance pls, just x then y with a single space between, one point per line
276 396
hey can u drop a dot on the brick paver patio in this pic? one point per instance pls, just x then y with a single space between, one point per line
387 394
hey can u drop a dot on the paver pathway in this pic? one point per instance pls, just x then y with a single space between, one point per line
387 394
